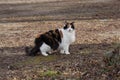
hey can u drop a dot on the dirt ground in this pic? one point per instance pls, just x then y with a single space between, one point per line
97 27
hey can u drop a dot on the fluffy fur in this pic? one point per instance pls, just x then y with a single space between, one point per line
53 40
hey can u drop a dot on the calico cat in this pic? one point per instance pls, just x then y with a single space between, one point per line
53 40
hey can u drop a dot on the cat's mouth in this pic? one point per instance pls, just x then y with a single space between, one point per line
70 30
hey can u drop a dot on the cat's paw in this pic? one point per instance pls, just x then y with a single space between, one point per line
62 51
67 52
44 54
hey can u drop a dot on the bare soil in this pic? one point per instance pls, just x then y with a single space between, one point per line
97 27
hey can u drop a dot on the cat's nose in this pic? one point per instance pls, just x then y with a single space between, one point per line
70 30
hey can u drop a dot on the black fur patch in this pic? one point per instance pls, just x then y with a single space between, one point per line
51 38
72 25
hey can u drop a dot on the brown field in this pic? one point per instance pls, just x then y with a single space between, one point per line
97 24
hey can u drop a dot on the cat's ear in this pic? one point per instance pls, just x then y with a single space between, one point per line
65 22
72 23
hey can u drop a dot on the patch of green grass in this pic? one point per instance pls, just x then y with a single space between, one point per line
85 51
49 73
36 60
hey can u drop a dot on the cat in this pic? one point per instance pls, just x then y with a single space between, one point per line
58 39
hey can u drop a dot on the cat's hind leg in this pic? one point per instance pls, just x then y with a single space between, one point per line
44 49
62 51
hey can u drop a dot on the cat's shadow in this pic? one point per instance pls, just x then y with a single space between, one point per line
11 55
17 51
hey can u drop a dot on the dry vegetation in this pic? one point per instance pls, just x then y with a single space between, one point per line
95 55
94 39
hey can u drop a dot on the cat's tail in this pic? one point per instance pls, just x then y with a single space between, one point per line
27 51
31 52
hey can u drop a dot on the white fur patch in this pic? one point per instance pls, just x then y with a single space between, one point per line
44 49
68 38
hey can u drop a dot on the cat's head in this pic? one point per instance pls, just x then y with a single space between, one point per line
69 26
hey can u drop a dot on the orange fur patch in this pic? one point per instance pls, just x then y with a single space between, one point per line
38 35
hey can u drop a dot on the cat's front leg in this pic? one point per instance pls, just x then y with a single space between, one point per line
66 49
67 52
